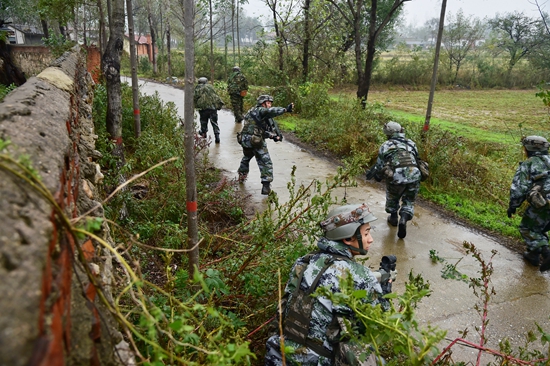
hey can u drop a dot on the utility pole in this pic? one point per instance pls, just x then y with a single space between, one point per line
436 63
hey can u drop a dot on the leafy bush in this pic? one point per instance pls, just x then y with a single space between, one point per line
57 44
145 66
5 90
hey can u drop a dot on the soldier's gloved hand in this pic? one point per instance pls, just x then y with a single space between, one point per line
279 138
511 211
377 178
289 108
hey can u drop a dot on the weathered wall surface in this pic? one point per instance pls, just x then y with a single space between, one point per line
50 310
30 59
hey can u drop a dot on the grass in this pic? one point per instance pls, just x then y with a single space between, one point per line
500 113
473 146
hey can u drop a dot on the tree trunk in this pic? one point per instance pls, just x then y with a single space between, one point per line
168 48
357 41
211 43
238 37
233 29
278 37
133 64
75 21
102 36
111 71
189 116
153 37
307 40
374 32
45 29
225 48
364 82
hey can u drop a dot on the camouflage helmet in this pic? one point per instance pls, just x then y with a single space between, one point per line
535 143
236 68
264 98
342 222
392 127
203 80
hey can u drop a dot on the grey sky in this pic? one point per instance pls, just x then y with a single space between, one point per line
418 11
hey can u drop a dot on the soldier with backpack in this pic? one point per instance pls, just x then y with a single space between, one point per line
531 183
237 88
314 326
259 125
397 162
208 102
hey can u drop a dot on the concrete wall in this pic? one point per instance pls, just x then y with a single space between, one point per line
51 312
30 59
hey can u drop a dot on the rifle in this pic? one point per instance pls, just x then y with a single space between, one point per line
273 131
372 173
387 273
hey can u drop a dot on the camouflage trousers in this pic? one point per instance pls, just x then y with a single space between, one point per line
262 159
345 354
534 227
406 193
205 115
237 104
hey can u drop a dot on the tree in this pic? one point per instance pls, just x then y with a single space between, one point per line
189 116
459 37
111 71
518 35
380 14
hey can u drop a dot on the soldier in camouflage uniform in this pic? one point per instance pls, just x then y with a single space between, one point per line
237 88
311 325
259 124
532 183
397 163
208 102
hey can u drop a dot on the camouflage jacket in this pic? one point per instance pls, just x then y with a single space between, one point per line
388 155
258 120
530 172
236 83
323 310
205 97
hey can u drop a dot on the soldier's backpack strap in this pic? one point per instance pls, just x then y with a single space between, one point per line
298 315
414 151
404 155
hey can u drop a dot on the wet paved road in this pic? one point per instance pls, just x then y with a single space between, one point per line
522 292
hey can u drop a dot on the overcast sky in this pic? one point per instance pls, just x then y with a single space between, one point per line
418 11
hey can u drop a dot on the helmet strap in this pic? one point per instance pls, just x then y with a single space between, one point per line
359 238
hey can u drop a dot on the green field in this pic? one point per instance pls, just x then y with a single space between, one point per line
486 115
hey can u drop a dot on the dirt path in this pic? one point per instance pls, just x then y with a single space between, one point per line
522 292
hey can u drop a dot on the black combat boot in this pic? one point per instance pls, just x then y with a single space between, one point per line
533 257
402 230
202 134
392 219
545 264
217 138
266 188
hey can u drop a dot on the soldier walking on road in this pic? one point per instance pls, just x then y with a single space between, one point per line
532 183
208 102
397 162
259 125
314 326
237 87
